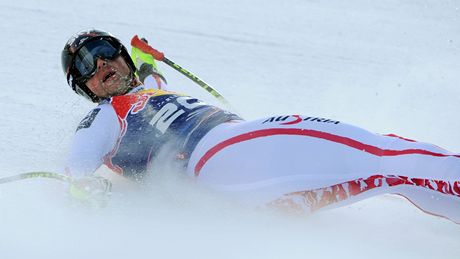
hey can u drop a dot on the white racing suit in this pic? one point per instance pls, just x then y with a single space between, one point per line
301 162
309 163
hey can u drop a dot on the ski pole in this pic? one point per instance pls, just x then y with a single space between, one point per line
145 47
29 175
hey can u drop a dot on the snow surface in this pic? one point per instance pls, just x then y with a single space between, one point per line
391 66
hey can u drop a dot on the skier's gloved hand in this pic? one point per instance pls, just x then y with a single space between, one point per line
145 64
92 191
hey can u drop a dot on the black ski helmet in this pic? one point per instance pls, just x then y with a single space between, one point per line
73 45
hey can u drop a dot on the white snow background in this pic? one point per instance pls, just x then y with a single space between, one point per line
390 66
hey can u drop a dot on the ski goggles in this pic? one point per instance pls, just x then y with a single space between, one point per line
85 59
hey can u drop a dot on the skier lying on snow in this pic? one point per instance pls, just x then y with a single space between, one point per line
301 162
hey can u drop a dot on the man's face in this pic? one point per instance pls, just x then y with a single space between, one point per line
113 77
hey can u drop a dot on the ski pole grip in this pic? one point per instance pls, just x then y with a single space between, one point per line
146 48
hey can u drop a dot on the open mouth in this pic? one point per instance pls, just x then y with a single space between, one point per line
108 76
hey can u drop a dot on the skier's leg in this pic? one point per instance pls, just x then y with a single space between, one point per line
436 197
281 155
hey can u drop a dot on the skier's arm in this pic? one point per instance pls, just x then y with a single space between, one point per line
147 69
95 137
154 82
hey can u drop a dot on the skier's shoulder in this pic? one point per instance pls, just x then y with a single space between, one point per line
100 114
140 93
153 87
108 110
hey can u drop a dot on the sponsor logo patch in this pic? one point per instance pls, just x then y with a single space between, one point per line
88 120
294 119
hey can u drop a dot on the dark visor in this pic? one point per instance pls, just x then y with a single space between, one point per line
85 60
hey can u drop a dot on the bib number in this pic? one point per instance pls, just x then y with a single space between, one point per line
171 111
